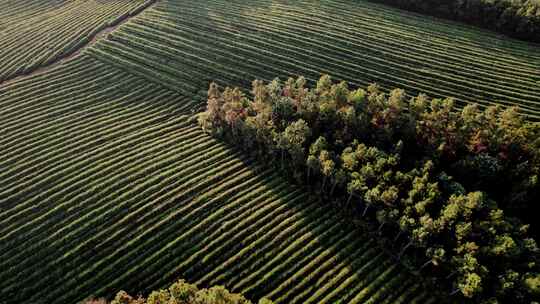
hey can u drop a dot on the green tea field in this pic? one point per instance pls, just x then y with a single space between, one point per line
107 183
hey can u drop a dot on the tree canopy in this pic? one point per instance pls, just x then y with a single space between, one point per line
445 189
183 293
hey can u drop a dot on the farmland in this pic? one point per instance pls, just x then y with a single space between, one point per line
108 178
186 44
107 183
35 34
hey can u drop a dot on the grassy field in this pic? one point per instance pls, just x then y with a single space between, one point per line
106 184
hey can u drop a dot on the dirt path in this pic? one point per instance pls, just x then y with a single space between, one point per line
95 37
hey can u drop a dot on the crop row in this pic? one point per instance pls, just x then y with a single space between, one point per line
108 185
55 31
234 42
16 11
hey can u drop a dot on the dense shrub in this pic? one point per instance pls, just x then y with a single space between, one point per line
182 293
431 180
515 18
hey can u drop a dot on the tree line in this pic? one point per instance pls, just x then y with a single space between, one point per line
443 189
515 18
182 292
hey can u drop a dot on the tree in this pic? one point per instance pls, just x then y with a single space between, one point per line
470 285
259 91
418 237
318 146
340 93
504 245
406 224
436 255
356 186
281 144
184 293
211 120
295 135
357 98
313 165
349 119
327 166
324 85
348 159
532 283
158 297
123 297
340 178
282 111
371 197
313 161
385 216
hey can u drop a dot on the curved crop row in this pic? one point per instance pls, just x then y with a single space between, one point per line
108 185
52 30
194 42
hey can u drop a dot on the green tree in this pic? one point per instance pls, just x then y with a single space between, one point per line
327 166
470 285
436 255
313 161
295 136
450 180
340 178
356 186
532 283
